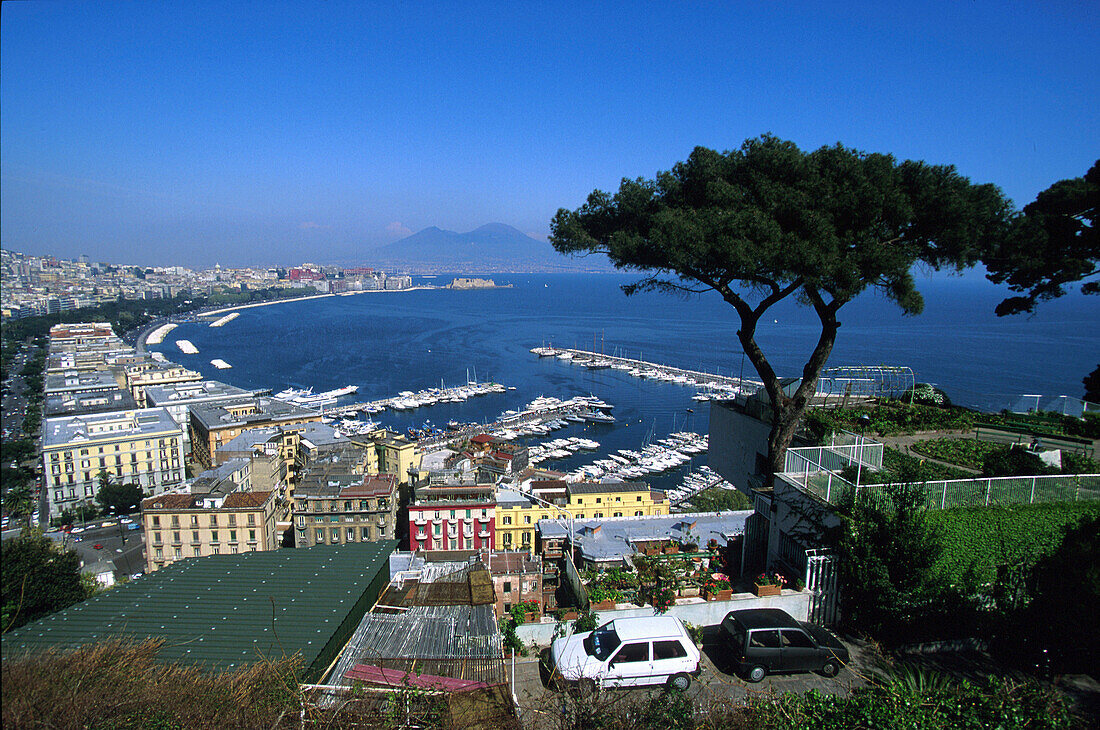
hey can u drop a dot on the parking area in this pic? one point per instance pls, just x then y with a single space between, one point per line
717 684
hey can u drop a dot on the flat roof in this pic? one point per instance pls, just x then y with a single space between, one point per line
193 392
224 611
72 430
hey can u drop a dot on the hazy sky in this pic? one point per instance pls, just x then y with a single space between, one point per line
271 132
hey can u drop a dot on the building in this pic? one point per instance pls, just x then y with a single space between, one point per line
179 397
141 376
517 578
140 446
335 509
397 455
611 541
520 511
194 524
217 613
76 404
452 512
73 382
213 424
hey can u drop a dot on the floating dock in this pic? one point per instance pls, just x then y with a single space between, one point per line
220 364
158 334
226 319
654 371
186 347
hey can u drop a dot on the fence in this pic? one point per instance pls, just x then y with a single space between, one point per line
983 491
1067 405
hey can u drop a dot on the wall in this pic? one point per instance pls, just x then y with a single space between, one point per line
736 440
700 613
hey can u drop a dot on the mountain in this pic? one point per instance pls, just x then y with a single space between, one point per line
492 247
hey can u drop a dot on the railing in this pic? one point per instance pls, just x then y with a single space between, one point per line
977 492
834 458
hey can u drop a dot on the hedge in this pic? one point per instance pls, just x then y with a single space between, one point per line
985 537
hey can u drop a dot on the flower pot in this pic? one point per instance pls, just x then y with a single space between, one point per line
724 594
768 590
570 616
530 618
604 605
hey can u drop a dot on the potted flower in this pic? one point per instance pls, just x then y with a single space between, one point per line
724 591
602 597
770 584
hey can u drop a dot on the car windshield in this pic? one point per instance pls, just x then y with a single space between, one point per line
604 642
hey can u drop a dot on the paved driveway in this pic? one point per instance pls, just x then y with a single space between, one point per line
541 706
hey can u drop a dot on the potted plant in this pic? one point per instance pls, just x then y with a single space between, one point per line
770 584
602 597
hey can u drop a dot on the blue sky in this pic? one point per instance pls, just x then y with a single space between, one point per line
270 132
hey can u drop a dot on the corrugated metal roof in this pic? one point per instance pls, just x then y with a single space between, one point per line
223 611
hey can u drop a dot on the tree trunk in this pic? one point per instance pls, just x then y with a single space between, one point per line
787 410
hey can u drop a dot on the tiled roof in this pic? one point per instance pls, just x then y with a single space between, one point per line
169 501
245 500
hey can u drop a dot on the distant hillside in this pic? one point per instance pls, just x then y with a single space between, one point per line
492 247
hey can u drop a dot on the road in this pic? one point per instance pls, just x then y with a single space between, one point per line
128 558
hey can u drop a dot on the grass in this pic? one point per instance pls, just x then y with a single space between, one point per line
964 452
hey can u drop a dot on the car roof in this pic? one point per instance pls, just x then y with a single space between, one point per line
647 627
763 618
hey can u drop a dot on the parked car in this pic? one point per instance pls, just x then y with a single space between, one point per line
77 530
629 652
97 546
133 526
126 520
766 641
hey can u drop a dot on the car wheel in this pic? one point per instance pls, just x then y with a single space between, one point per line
679 682
831 669
756 674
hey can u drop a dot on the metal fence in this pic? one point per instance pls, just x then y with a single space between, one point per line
842 453
978 492
1067 405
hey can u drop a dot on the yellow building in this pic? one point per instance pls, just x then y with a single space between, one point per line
394 454
517 514
214 424
144 447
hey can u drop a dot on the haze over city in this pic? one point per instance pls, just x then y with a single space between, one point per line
196 133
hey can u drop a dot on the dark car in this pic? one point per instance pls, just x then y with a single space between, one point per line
769 640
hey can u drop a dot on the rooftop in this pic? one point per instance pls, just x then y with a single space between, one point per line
205 390
225 611
248 410
107 426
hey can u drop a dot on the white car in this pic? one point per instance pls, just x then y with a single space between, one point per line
629 652
77 530
126 521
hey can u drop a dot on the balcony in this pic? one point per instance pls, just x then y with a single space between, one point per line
483 533
484 519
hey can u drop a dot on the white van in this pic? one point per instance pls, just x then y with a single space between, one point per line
629 652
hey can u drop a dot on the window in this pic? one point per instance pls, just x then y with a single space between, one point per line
638 652
437 528
639 498
617 514
252 535
638 513
527 519
796 638
507 539
507 586
668 650
232 520
381 532
364 504
320 535
468 514
598 515
195 536
159 552
507 520
599 499
214 536
176 537
251 519
178 553
156 538
213 520
335 534
232 536
454 544
156 520
350 534
527 538
195 520
366 533
765 638
197 551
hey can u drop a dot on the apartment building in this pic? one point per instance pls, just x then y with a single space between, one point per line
179 397
452 512
213 424
517 578
151 373
338 508
140 446
191 525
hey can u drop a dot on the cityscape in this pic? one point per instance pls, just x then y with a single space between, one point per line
480 366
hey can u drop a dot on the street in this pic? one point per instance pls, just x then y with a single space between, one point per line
127 559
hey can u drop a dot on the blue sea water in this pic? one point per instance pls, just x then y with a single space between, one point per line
387 342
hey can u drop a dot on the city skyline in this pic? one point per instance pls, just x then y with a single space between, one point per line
251 135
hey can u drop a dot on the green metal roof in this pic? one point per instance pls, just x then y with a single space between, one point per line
224 611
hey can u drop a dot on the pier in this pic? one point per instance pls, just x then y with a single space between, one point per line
408 401
654 371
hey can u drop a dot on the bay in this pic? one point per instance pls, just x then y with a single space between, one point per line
386 342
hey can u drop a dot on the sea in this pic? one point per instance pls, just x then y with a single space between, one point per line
387 342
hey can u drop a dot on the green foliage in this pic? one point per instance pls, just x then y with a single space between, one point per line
898 467
1053 244
926 394
717 499
1014 462
122 499
588 620
964 452
38 579
1046 423
888 418
983 540
886 549
993 703
1092 386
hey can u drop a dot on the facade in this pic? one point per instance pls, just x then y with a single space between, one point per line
179 526
140 446
217 423
396 454
519 513
452 512
179 397
517 578
331 509
139 377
